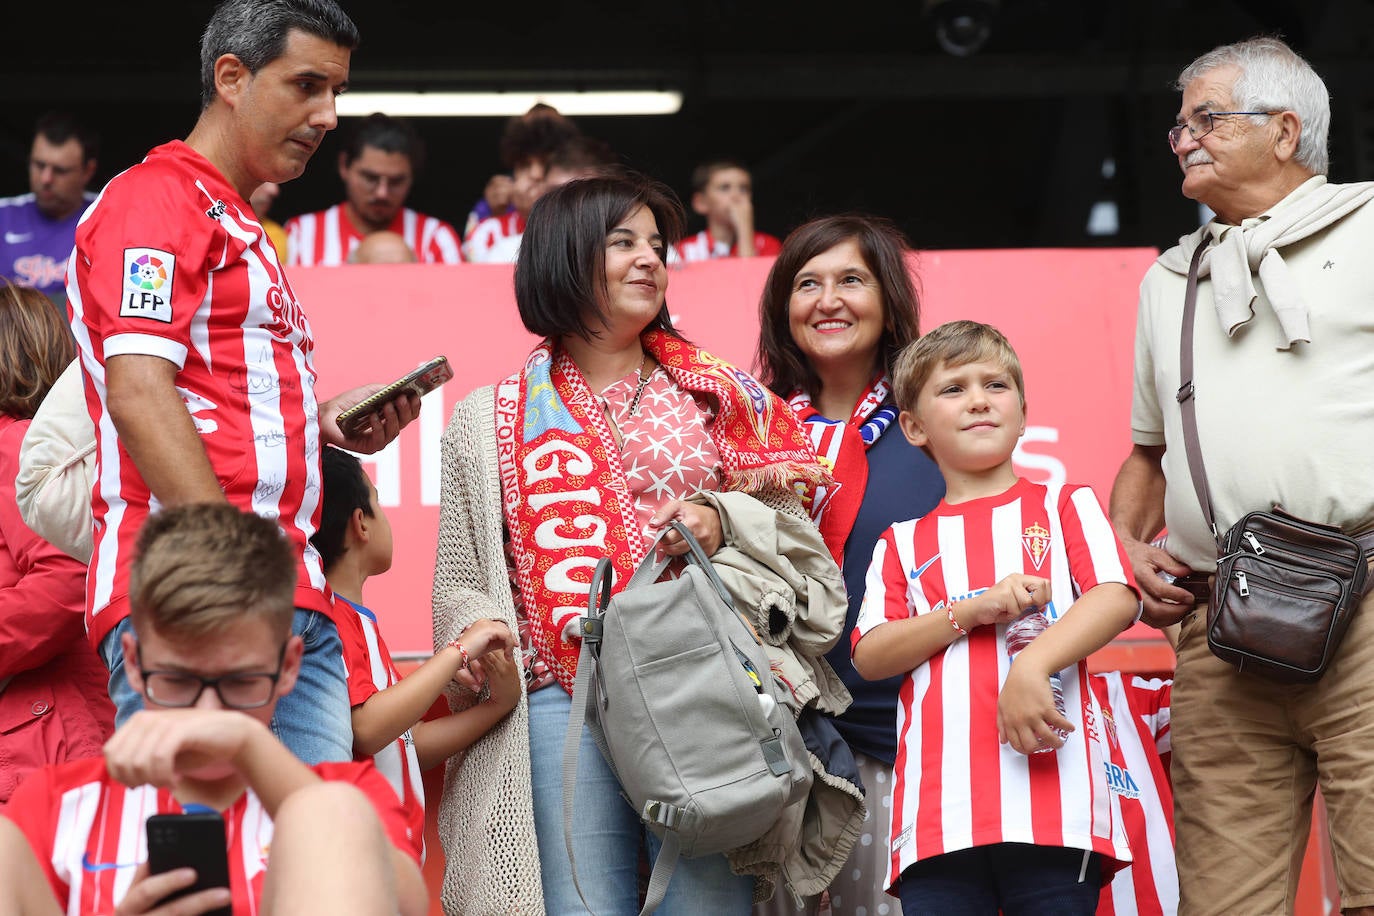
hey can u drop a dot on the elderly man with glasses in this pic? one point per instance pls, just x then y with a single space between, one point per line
1283 390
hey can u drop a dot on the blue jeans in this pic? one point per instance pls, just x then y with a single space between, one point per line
1016 879
314 720
607 834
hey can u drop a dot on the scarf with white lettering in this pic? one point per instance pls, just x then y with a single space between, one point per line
565 498
842 449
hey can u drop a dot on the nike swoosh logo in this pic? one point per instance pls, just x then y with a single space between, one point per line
14 238
916 573
88 865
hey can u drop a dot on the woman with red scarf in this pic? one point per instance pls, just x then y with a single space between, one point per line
54 705
837 307
587 451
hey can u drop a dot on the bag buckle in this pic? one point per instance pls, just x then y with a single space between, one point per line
1185 391
590 629
662 813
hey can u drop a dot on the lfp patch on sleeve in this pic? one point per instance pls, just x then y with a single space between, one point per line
148 275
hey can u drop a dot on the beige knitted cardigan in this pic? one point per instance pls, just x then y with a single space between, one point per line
486 816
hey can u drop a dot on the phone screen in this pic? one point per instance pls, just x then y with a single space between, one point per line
421 381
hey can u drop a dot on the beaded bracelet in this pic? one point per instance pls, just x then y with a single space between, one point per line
461 651
949 612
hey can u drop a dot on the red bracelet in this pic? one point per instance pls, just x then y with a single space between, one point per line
949 612
461 651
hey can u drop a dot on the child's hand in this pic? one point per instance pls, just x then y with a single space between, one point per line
503 679
480 638
1004 602
1026 715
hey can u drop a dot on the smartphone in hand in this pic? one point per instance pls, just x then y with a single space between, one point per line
421 381
194 840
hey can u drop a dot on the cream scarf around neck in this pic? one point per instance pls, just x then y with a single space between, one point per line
1243 250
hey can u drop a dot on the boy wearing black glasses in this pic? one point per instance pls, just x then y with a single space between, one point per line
211 653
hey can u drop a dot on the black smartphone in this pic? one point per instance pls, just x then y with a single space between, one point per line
421 381
190 840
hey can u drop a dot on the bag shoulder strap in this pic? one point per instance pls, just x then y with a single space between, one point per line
1187 406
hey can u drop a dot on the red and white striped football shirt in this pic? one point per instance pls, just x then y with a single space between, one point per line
371 669
956 786
1135 719
326 238
702 247
488 235
87 831
171 262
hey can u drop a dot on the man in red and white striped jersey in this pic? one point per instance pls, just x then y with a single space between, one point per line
723 192
378 166
212 652
1135 719
196 355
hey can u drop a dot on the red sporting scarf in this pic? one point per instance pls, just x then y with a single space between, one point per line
565 500
842 449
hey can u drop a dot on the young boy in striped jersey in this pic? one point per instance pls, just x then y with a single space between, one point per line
354 542
1000 798
210 652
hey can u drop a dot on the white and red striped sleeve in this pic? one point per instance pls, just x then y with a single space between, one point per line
1095 553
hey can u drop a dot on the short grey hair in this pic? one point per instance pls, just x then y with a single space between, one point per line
255 31
1273 77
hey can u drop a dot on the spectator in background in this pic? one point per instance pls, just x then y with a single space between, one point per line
384 247
524 140
837 307
577 157
54 705
723 192
37 229
380 161
525 146
261 201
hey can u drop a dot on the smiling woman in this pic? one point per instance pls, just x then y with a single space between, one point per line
838 306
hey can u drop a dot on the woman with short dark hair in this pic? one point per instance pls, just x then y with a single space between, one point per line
588 451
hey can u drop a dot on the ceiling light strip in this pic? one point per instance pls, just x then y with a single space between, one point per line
503 104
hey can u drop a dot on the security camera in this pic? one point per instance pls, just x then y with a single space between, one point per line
962 27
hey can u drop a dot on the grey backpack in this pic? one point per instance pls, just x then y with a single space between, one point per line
678 694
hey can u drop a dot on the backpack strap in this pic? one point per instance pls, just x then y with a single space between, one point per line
588 672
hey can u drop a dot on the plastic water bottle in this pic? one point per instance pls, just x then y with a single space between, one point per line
1020 632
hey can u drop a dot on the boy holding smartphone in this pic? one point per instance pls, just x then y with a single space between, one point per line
211 653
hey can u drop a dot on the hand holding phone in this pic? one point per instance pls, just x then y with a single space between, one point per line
429 375
192 840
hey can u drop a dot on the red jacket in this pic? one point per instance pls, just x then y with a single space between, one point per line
54 703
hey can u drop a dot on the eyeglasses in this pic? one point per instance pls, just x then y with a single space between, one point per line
180 689
1202 123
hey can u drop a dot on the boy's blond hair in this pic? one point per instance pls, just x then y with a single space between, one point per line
199 568
954 343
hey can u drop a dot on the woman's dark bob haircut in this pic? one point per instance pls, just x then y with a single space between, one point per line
781 364
560 274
